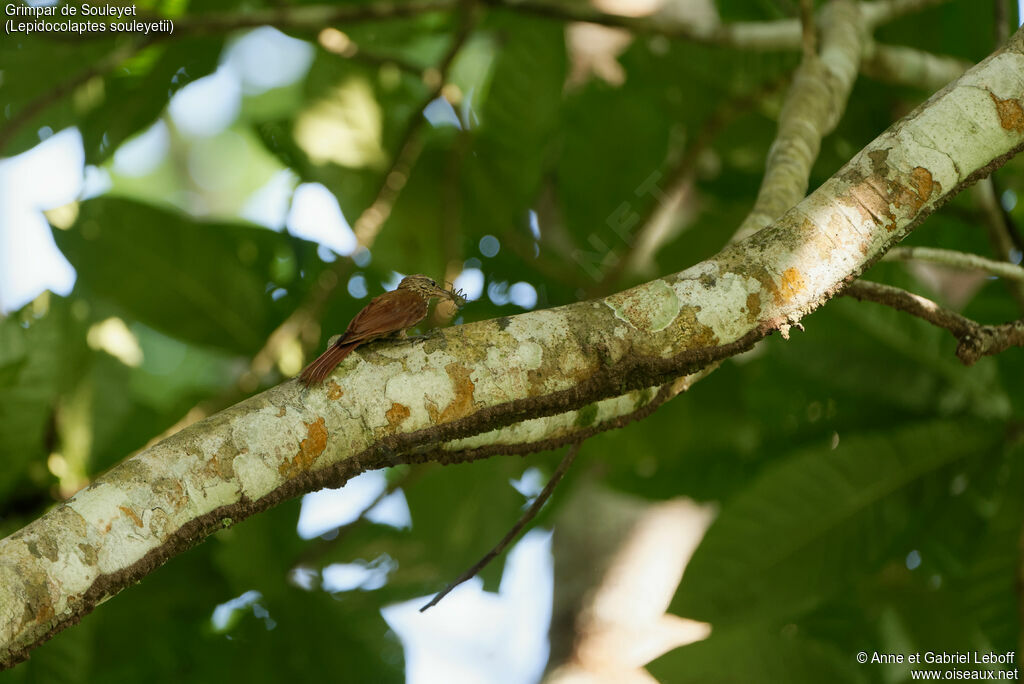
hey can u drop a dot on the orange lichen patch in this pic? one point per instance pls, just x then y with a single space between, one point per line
700 337
170 490
536 378
753 306
915 193
692 333
334 391
43 612
790 286
396 414
222 463
462 404
875 196
1011 114
309 449
131 514
432 410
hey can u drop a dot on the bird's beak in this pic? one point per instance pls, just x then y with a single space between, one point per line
451 295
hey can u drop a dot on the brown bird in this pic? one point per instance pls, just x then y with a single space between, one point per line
388 314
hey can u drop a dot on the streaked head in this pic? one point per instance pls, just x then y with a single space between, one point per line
425 286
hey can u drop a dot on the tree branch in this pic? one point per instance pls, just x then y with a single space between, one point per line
783 34
366 227
658 225
813 106
373 217
808 36
975 340
908 66
962 260
388 402
551 432
786 34
1001 231
884 11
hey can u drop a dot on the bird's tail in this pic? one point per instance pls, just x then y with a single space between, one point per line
321 367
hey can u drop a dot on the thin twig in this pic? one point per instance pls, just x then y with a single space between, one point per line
1001 231
911 67
808 37
373 217
962 260
451 209
1008 224
529 515
975 340
1002 21
884 11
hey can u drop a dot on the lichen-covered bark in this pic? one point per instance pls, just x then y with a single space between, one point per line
815 101
393 402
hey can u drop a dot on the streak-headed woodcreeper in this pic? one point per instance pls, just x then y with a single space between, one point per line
388 314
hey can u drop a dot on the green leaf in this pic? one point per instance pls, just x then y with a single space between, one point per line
518 116
756 654
480 507
36 83
203 283
135 94
39 358
67 659
990 587
809 524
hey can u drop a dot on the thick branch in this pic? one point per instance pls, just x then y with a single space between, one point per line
976 340
814 104
389 401
660 223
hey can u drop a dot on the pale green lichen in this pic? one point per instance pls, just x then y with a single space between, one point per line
650 309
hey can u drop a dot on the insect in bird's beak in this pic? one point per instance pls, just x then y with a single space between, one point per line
457 296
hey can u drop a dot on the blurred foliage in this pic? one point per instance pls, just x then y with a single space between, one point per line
869 485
